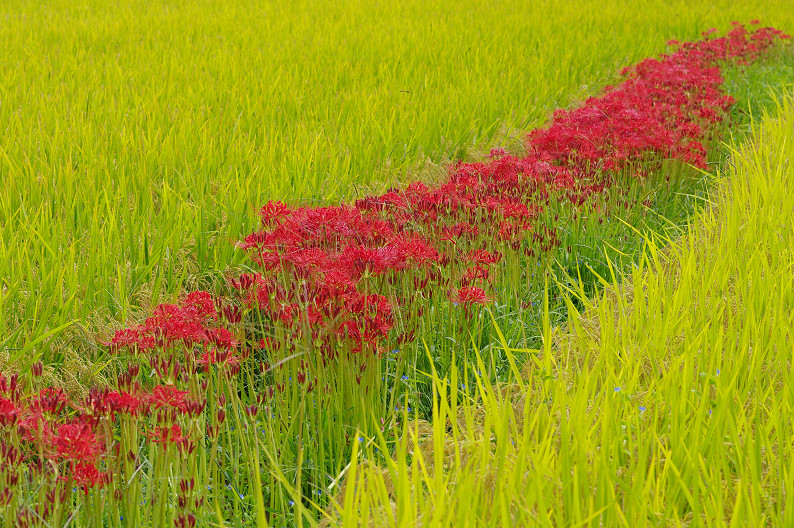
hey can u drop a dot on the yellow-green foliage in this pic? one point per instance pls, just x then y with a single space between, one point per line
666 402
139 136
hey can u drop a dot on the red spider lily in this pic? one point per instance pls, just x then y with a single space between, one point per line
480 256
9 412
168 396
221 338
77 442
199 305
312 258
50 401
273 213
459 230
126 403
170 323
135 340
477 273
357 261
220 357
167 435
414 249
34 427
86 476
10 386
186 322
468 296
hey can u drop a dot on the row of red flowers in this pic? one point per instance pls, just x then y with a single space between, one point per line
317 264
345 283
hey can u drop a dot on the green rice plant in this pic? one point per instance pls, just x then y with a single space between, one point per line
663 402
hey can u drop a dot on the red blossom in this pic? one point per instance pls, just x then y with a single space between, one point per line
125 402
477 273
481 256
9 412
199 305
77 442
470 295
50 401
86 476
34 427
273 213
135 340
220 357
221 338
167 436
168 396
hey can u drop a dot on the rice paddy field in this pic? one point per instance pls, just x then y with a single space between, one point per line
396 263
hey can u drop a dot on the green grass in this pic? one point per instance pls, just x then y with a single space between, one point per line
666 401
138 137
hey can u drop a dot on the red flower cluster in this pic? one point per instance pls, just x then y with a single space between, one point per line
662 111
44 425
315 263
77 442
468 296
87 476
73 433
188 323
320 265
345 279
167 435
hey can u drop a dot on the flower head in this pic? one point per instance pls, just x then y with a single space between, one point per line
168 396
86 476
166 436
468 296
9 412
77 442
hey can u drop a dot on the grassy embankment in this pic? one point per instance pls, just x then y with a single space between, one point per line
669 396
